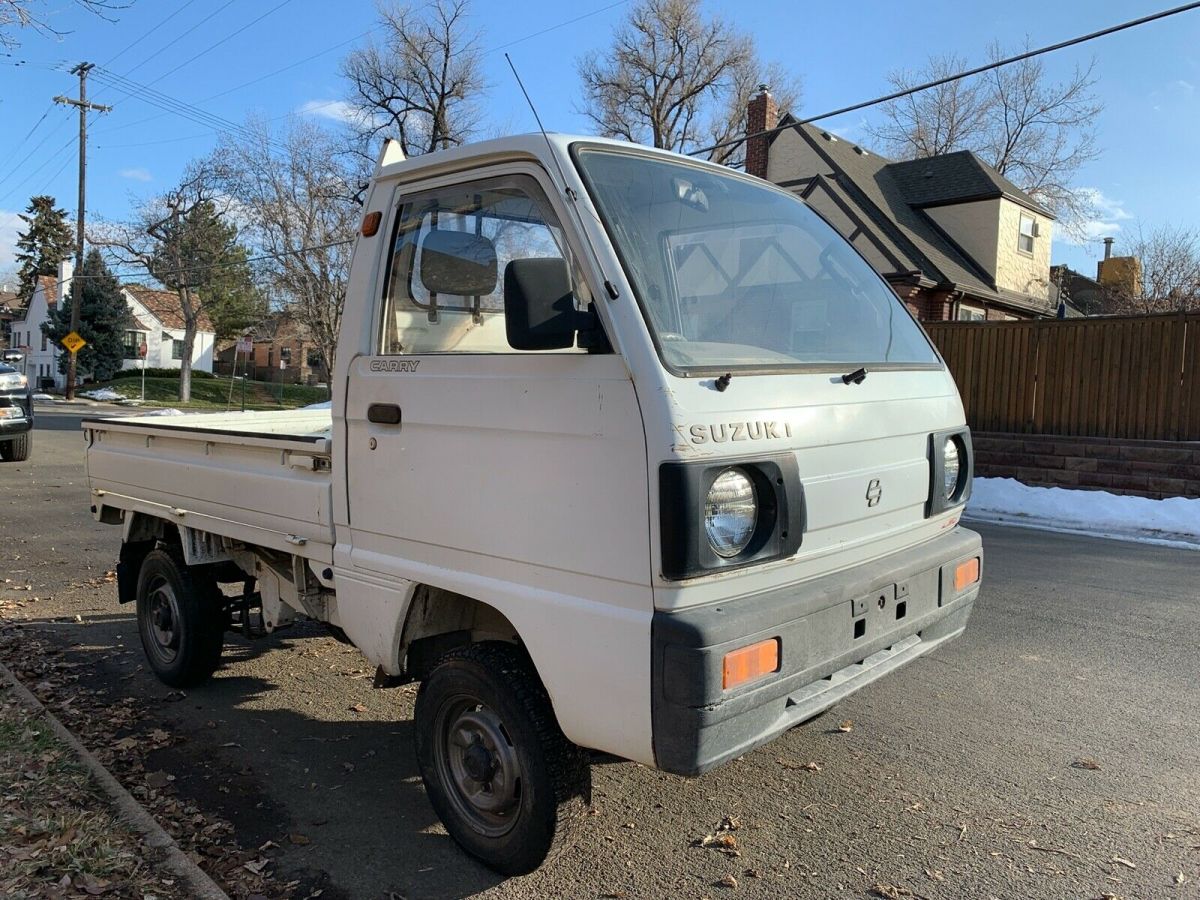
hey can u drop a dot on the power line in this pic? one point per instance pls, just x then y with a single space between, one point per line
351 40
171 44
1028 54
227 37
246 84
169 104
279 255
137 41
49 160
13 171
28 135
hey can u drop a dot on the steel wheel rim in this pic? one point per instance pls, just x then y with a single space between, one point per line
478 765
162 620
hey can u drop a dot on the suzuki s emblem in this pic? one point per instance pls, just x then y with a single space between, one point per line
874 492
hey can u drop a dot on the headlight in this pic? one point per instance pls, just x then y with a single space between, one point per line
950 467
730 513
11 380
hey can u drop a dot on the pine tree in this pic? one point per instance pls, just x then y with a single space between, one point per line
104 317
46 241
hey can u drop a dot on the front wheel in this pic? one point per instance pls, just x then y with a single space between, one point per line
503 778
181 620
17 449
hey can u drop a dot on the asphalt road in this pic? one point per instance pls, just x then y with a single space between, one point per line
957 779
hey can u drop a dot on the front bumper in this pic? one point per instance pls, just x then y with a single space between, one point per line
15 422
906 602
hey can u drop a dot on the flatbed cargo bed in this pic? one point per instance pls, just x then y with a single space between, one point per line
261 477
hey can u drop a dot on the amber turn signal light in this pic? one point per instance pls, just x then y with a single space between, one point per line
370 223
966 574
748 663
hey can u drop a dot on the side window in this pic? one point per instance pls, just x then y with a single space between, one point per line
445 289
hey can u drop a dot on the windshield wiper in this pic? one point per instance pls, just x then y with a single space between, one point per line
858 376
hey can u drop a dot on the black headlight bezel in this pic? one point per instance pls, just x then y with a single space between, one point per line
938 501
682 490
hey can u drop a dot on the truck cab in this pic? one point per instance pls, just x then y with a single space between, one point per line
627 452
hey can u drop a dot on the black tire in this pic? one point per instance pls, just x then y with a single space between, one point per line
181 619
17 449
483 712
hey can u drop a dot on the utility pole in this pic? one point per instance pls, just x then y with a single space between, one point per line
82 71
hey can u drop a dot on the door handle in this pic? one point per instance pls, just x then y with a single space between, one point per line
383 413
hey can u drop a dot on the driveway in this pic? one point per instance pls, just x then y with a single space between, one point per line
1053 751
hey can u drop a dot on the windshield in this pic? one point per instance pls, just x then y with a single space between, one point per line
733 275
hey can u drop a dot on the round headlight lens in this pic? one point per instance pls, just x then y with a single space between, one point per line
730 513
950 467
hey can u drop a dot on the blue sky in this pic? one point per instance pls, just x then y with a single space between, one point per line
1149 82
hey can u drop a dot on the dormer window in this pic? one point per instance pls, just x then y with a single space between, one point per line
1028 231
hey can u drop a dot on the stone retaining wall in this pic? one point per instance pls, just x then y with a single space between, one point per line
1155 469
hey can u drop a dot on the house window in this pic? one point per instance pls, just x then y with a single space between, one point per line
1028 231
285 357
313 359
176 349
971 314
43 342
131 343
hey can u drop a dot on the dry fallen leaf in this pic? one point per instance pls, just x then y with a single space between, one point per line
1179 878
846 726
1086 762
358 708
728 881
299 839
1122 861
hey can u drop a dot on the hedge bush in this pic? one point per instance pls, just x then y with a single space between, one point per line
152 372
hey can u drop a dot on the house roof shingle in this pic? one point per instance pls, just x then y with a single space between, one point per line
165 306
956 178
904 239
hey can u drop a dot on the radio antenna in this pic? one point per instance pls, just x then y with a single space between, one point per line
570 192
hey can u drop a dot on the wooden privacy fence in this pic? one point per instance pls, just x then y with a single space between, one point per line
1132 377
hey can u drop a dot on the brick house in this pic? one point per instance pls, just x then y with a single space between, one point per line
953 237
283 351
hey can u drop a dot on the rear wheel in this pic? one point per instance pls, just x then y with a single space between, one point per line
503 778
17 449
181 620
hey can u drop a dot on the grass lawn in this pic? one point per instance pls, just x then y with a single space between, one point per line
58 837
213 393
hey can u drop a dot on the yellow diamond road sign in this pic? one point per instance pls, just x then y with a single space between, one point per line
74 342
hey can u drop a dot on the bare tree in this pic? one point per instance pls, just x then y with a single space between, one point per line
676 79
1036 132
298 198
1169 276
421 81
182 242
27 14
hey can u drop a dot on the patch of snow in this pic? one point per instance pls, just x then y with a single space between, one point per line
45 398
1174 521
171 411
324 404
106 394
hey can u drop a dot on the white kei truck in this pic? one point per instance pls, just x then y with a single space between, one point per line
627 453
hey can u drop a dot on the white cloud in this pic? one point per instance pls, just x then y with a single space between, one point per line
1186 86
9 226
336 110
1105 219
136 174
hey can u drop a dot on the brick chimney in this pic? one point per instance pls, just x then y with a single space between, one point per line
762 114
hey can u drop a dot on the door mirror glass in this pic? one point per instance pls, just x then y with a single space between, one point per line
457 262
539 306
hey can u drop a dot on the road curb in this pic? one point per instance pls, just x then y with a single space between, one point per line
195 880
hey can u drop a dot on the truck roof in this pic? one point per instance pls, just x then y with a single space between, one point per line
529 145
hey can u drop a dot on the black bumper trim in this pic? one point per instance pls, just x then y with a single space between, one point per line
697 725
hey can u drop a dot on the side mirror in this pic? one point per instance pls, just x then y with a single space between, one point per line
458 262
539 307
